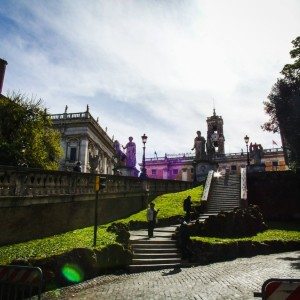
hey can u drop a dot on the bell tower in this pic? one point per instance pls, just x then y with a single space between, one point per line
215 137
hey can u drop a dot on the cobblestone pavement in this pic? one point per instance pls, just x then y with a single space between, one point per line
236 279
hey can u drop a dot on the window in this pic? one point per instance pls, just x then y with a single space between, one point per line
153 171
192 170
275 165
175 171
233 168
73 154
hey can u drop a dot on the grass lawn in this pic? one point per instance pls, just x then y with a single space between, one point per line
169 204
57 244
277 231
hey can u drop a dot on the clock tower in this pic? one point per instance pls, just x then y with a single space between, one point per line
215 137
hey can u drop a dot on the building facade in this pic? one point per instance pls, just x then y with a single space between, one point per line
182 166
84 140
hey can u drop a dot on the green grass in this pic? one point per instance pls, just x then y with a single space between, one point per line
57 244
169 204
276 232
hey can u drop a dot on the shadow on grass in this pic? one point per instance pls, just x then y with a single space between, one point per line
288 226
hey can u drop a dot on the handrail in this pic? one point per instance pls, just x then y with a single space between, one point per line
207 185
244 183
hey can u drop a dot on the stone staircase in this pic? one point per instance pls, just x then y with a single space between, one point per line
224 195
159 252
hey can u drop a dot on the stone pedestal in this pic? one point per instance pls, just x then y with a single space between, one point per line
256 168
202 167
126 171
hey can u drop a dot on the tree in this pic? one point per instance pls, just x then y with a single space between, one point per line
283 107
27 137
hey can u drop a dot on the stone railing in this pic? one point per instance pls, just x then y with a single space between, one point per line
215 157
58 118
207 185
243 183
20 182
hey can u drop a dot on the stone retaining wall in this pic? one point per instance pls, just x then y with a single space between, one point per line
37 203
276 194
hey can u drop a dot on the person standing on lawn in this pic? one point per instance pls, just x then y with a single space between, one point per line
151 218
187 207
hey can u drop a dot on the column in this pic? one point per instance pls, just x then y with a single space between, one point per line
84 154
104 163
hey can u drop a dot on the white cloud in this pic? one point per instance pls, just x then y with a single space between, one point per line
153 66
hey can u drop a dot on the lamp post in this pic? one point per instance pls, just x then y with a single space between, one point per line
246 139
144 171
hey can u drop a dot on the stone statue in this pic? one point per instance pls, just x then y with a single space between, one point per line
94 162
130 153
121 157
199 146
256 152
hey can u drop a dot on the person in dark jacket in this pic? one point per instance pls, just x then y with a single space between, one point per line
187 207
183 239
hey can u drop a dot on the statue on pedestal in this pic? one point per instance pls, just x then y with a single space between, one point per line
130 153
94 162
120 156
256 152
199 146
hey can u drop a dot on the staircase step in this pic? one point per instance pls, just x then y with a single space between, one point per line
155 256
215 205
138 250
234 202
233 205
151 246
226 210
153 242
153 267
151 261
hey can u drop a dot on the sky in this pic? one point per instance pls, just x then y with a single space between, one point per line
150 66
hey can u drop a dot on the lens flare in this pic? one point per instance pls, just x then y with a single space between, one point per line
72 273
217 174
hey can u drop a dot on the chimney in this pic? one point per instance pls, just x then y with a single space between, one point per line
3 64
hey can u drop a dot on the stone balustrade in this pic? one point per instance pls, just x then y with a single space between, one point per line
20 182
52 202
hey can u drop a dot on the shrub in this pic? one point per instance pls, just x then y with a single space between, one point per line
236 223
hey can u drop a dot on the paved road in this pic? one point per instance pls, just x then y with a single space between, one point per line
237 279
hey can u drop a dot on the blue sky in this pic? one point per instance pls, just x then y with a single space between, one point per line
152 67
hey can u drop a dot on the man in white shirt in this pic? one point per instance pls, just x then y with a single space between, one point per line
151 218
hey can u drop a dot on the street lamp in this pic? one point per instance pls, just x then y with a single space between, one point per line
246 139
144 171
